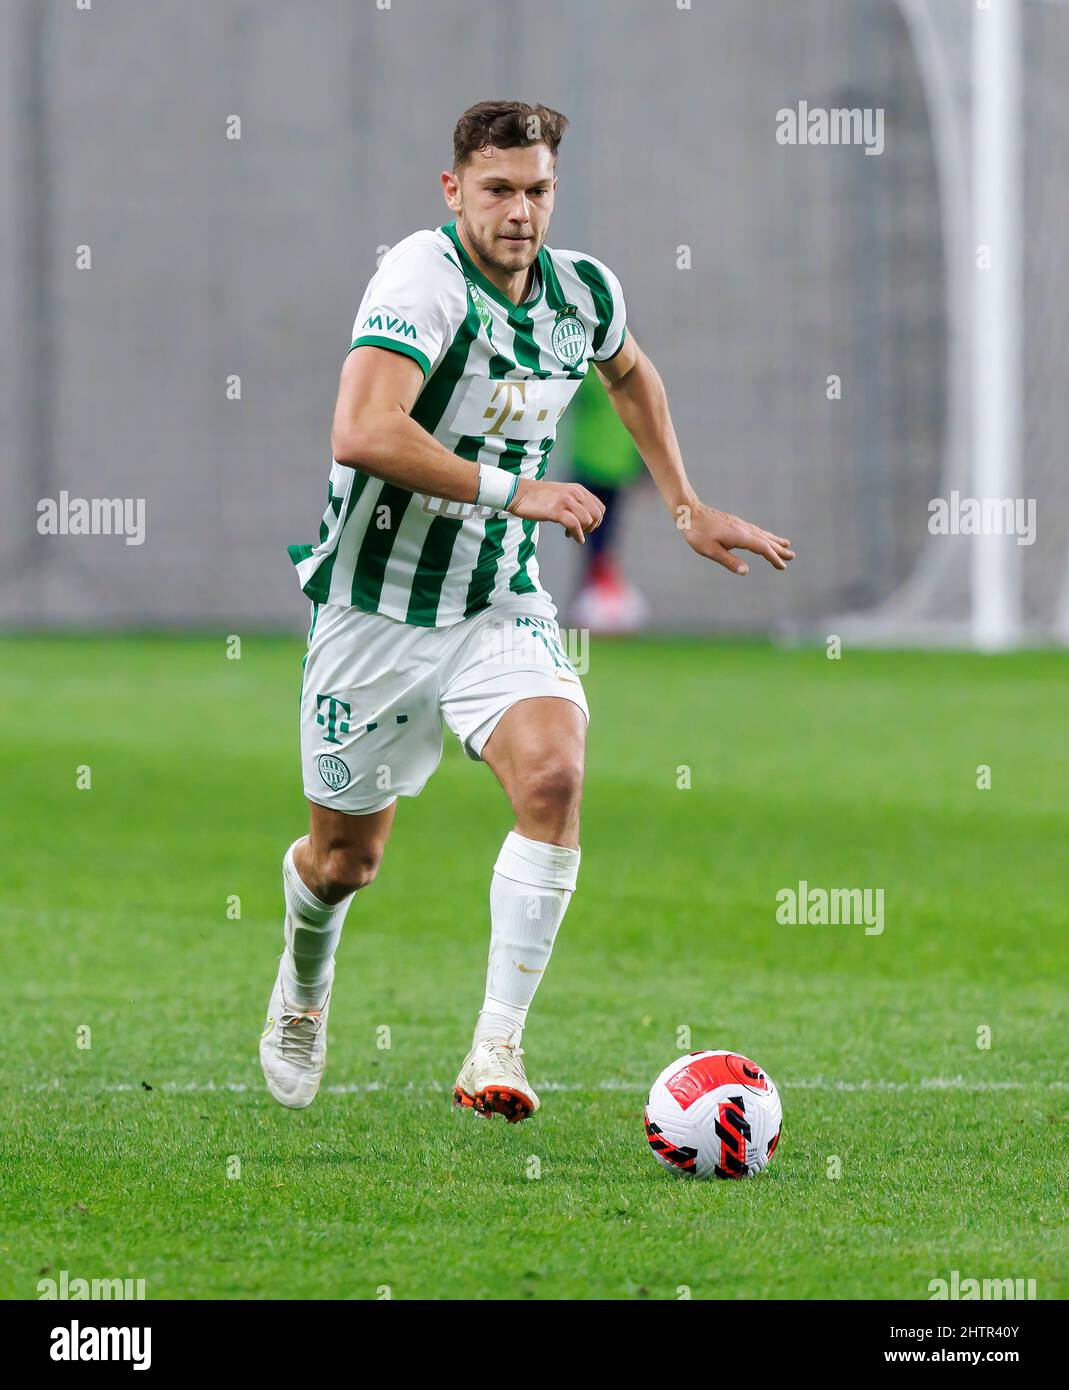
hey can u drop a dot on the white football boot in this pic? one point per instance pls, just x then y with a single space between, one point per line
293 1048
492 1081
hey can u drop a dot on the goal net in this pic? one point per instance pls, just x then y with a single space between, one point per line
993 570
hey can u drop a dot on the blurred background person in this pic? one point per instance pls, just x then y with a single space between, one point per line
604 459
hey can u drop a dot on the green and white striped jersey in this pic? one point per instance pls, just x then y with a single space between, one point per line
497 378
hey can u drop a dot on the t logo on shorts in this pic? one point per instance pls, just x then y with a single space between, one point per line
334 723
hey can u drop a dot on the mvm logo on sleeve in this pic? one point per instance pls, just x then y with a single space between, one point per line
77 1343
389 323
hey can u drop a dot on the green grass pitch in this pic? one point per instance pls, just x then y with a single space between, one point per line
859 772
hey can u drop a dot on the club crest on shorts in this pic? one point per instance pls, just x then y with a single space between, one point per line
334 772
569 337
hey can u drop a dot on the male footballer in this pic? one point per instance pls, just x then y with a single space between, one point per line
470 341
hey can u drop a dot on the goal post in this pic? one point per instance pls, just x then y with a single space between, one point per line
996 615
993 74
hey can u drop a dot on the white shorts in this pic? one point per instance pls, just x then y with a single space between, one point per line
376 692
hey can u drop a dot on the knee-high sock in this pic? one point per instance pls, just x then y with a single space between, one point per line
529 894
313 929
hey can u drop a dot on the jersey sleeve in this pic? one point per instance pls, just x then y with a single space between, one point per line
612 314
409 307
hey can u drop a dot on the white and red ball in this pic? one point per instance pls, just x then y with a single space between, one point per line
713 1113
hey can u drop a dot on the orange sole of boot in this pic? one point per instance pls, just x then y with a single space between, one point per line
495 1100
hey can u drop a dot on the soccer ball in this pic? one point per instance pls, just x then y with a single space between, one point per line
713 1112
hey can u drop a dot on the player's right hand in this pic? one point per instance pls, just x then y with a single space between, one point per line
568 504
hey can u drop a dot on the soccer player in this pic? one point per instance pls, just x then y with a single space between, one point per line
469 343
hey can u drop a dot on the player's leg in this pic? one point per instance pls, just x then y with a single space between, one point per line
321 874
521 709
370 732
536 752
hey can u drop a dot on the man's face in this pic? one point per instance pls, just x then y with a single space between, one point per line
505 199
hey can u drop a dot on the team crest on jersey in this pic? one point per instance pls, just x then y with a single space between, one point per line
569 337
334 772
481 306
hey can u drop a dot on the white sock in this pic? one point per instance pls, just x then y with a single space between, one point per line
313 929
529 894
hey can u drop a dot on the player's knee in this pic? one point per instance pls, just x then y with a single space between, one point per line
347 868
555 785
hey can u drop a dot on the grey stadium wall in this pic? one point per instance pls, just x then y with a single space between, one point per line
213 257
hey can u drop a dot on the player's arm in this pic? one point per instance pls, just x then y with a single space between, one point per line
373 430
639 398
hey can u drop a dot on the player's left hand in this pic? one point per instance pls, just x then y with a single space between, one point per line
716 534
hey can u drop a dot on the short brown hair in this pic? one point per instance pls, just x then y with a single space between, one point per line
504 125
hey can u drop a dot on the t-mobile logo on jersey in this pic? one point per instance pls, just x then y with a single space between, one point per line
514 408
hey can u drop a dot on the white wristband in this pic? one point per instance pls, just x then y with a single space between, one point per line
496 487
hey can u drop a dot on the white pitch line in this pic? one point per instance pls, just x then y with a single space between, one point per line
819 1083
